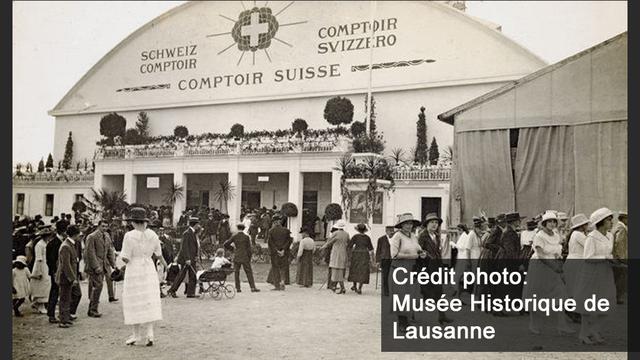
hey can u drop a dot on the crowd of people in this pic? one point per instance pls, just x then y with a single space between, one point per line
47 259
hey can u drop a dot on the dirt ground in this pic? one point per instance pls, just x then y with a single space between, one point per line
299 323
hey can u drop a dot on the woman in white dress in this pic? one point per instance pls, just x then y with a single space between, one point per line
544 277
141 289
596 275
571 267
40 279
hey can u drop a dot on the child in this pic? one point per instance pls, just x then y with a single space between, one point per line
21 275
219 261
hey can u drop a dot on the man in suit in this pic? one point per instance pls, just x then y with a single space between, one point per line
224 232
510 243
620 253
67 277
279 240
99 257
240 243
53 247
187 258
383 257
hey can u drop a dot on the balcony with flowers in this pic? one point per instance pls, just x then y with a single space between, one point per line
253 143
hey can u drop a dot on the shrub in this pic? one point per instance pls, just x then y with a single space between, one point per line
338 110
41 166
373 143
237 130
112 125
299 125
420 155
358 128
289 209
49 164
333 212
131 137
68 153
181 131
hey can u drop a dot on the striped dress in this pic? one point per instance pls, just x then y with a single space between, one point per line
141 288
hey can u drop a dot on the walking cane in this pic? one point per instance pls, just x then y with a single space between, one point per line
377 271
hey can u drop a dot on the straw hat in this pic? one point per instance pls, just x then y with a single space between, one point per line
513 217
600 215
549 215
340 225
579 220
562 216
193 220
137 214
622 213
21 259
403 218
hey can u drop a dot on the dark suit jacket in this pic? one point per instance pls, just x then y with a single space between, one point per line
67 262
510 242
279 238
188 247
99 253
242 251
52 249
493 242
383 249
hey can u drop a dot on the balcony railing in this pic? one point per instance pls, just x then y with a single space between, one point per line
44 178
436 174
243 147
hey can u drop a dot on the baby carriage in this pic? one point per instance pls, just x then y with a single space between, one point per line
213 282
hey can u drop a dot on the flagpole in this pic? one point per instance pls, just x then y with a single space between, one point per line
373 6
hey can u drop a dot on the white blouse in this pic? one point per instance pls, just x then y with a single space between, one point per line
598 246
526 238
306 244
404 247
576 245
546 246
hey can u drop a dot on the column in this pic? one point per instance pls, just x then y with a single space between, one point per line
336 195
234 201
98 177
180 205
130 185
296 181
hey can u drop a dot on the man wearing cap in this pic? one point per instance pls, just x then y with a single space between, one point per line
67 277
187 258
279 240
620 253
241 246
383 256
52 250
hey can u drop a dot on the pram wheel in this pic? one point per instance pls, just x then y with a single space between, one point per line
215 292
229 291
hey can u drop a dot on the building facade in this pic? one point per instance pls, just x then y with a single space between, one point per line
209 65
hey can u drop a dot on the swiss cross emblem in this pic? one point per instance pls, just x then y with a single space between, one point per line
254 31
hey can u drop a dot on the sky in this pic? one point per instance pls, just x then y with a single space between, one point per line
56 43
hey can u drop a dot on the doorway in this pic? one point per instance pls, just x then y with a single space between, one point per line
250 199
430 205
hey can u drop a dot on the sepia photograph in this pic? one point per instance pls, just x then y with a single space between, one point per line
320 180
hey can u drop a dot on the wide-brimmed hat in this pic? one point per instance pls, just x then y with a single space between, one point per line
562 216
579 220
549 215
137 214
501 218
44 230
477 221
600 215
491 221
432 216
622 213
532 224
361 227
403 218
21 259
340 224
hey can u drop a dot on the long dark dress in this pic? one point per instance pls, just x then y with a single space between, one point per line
304 276
361 245
432 263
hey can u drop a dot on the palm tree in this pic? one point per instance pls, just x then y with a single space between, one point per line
173 194
225 192
344 165
108 204
397 155
447 154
